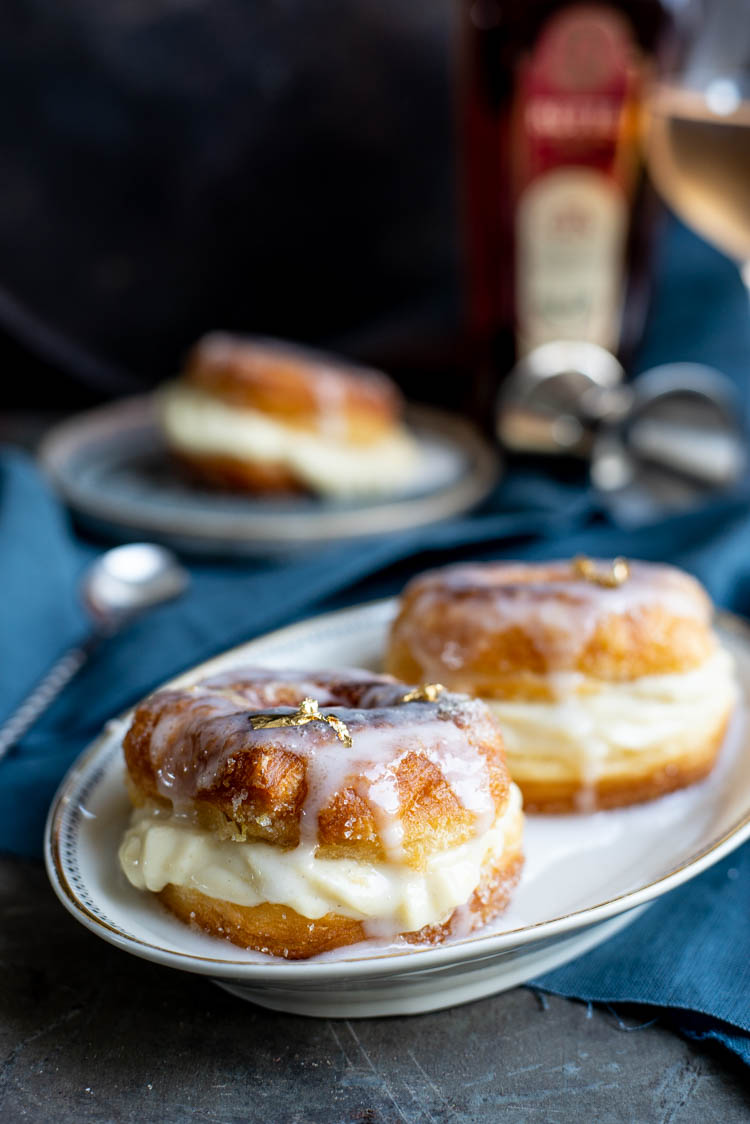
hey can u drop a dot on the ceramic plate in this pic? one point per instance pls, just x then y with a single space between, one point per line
112 467
586 876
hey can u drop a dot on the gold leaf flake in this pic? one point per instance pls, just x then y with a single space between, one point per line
341 728
428 692
611 577
309 711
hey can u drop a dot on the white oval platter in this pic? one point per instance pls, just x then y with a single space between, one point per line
585 878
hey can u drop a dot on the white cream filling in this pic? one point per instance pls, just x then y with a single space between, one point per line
595 721
200 424
160 847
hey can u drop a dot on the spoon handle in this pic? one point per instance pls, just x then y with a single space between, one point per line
45 692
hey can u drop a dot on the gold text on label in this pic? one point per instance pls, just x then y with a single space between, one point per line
309 711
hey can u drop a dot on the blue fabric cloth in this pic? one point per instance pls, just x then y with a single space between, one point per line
690 952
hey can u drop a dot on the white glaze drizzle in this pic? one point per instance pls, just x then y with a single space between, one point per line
199 729
330 400
597 725
559 611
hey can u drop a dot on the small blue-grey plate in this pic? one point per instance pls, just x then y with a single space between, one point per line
112 468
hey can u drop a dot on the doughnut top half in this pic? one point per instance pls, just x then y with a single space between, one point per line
501 629
294 385
419 776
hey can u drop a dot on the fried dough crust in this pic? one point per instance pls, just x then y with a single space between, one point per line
281 931
294 385
498 629
259 789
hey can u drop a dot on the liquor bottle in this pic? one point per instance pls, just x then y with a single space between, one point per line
556 205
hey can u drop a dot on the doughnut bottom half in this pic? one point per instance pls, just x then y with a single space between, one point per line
556 785
281 931
240 474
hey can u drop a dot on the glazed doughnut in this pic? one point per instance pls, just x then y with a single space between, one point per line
267 416
373 811
606 677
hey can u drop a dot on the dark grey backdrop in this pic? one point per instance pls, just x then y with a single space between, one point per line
168 166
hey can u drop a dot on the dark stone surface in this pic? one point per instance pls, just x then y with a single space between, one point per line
88 1033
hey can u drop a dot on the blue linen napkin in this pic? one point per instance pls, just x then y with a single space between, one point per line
690 952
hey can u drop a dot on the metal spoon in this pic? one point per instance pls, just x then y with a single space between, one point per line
117 587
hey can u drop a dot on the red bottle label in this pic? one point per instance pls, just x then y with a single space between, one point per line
575 160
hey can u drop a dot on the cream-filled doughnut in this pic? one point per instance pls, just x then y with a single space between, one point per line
607 677
297 812
265 416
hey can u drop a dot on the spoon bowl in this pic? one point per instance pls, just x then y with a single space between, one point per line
116 587
131 579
